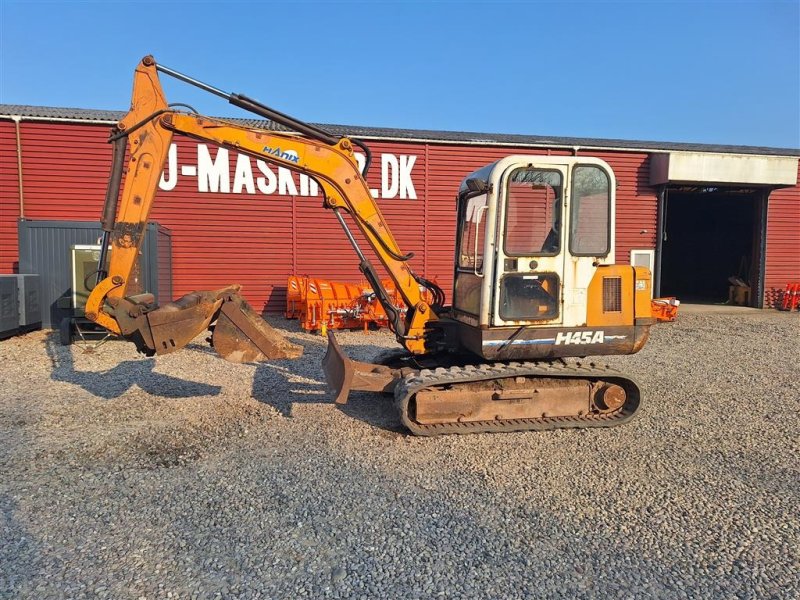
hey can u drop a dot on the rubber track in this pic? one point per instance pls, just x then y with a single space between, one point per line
428 378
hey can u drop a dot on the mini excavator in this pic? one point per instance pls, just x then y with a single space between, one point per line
534 277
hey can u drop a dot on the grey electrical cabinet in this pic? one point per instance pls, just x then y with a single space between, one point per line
20 306
9 306
29 290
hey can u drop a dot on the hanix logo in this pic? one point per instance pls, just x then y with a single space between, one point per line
289 155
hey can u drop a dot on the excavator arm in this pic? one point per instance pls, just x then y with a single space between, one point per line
239 334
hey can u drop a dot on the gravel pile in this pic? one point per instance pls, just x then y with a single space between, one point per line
186 476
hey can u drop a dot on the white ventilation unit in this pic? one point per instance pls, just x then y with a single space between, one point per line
644 258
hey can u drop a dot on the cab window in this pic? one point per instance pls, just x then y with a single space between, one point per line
533 213
472 212
590 211
529 296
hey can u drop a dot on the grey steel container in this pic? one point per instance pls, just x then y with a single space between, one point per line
9 306
44 248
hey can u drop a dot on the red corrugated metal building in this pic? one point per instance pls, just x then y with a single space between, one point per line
234 219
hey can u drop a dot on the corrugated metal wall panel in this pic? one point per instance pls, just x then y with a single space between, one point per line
45 250
783 243
258 238
164 262
9 198
65 168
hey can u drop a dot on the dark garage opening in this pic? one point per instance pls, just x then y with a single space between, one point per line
710 235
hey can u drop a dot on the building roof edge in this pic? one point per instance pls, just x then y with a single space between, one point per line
62 114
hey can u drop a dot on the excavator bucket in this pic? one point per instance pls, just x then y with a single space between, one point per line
344 375
239 334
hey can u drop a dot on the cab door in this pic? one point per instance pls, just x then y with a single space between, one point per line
531 248
589 238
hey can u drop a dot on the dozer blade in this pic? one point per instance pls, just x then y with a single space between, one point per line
344 374
239 333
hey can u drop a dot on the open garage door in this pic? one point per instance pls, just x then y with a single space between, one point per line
710 235
712 222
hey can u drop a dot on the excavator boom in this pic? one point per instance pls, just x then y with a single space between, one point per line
239 334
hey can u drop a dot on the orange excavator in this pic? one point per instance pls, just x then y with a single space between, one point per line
534 277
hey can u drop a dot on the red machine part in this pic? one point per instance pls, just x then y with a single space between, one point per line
665 309
338 305
791 296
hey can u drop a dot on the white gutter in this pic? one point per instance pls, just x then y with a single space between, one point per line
59 119
477 142
556 145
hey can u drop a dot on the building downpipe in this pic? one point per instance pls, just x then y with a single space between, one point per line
17 120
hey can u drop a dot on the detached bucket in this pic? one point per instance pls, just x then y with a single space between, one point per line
239 333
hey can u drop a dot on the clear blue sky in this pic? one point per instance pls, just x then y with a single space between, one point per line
712 72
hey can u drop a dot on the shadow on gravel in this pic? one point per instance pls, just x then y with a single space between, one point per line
116 381
16 541
377 410
285 383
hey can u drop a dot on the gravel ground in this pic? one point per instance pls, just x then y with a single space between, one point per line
186 476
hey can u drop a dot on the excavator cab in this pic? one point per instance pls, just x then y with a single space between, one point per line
534 280
535 274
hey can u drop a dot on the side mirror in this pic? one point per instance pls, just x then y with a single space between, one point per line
477 185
